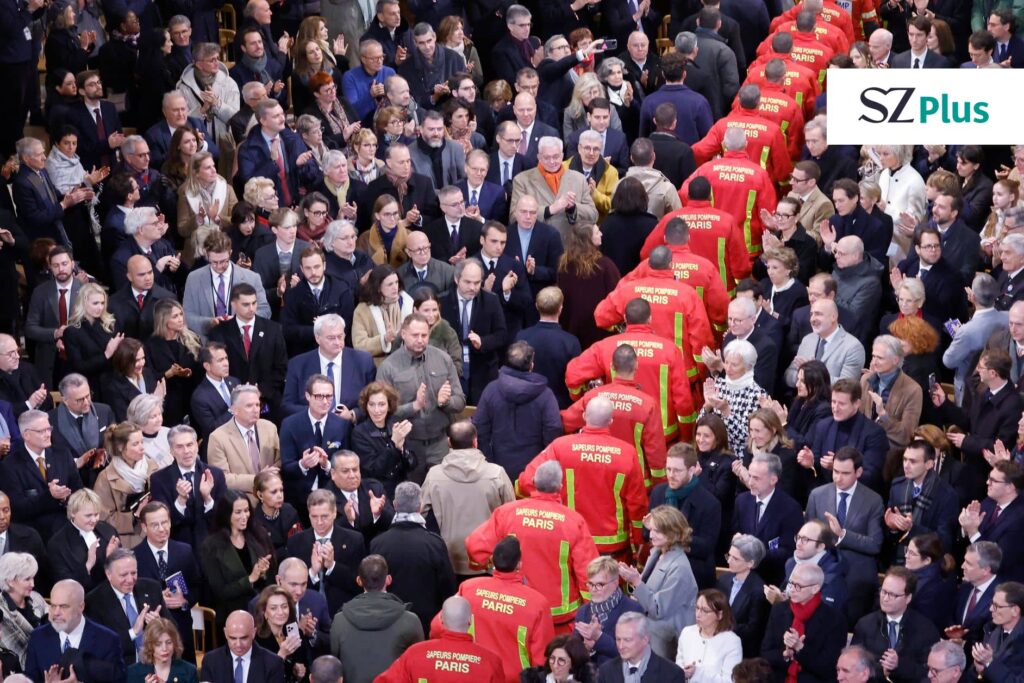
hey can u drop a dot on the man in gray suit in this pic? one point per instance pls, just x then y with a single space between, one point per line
49 311
208 289
970 338
839 350
433 152
79 422
854 514
421 268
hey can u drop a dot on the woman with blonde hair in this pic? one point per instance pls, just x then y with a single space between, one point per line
377 320
21 607
205 199
123 485
919 336
261 193
173 352
90 338
385 240
669 592
161 656
79 549
362 147
586 277
147 411
902 189
1005 196
575 118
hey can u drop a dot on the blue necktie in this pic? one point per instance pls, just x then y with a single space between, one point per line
893 638
67 645
132 614
330 375
841 511
225 393
239 671
472 198
917 490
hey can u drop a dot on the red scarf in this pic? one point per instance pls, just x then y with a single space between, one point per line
801 613
919 314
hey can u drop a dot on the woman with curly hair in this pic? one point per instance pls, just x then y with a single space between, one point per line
459 119
565 659
261 193
161 656
173 352
585 277
380 438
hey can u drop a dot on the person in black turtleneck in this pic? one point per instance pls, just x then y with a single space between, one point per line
832 161
851 219
684 491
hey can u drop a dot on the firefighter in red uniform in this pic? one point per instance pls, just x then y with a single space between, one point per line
779 106
661 370
827 32
677 313
800 81
714 235
451 656
636 418
511 617
828 11
807 49
694 270
558 543
602 481
766 144
739 187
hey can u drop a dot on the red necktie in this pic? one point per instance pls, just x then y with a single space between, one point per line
246 339
145 178
141 298
101 135
275 154
973 602
62 307
995 517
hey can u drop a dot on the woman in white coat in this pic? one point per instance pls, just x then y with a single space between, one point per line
902 192
666 589
708 650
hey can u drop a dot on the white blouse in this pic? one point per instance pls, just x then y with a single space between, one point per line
715 657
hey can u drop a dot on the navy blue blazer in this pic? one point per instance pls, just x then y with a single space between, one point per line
519 306
980 615
103 606
349 551
545 248
616 147
207 407
300 308
16 43
128 248
554 348
219 667
539 130
267 361
97 658
780 522
1006 532
243 74
863 434
192 527
38 214
93 150
357 370
441 245
179 558
254 160
491 198
159 138
296 437
943 288
941 516
519 164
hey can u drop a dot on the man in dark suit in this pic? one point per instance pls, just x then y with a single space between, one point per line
485 198
729 31
821 286
943 285
48 313
93 653
208 407
273 151
124 602
317 294
672 156
144 227
505 276
980 568
1000 656
154 189
255 346
553 346
619 18
1003 25
763 322
919 502
633 641
250 40
854 514
20 384
477 318
132 305
332 552
1000 517
454 236
241 660
97 123
40 206
897 630
39 478
308 439
525 108
742 314
509 54
528 80
175 111
506 161
159 557
419 194
18 538
1011 275
363 502
615 146
536 245
189 488
312 613
775 523
919 56
279 264
422 269
79 422
357 369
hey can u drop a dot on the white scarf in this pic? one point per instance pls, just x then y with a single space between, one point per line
219 195
136 476
405 305
746 380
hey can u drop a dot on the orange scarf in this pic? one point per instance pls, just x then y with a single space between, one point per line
554 180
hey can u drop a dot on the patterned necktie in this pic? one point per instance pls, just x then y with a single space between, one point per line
221 303
473 198
254 452
524 143
67 644
841 511
161 564
141 300
246 339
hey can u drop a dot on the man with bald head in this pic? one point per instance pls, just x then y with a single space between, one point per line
241 660
524 106
608 469
506 160
422 270
132 305
858 277
839 350
71 647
